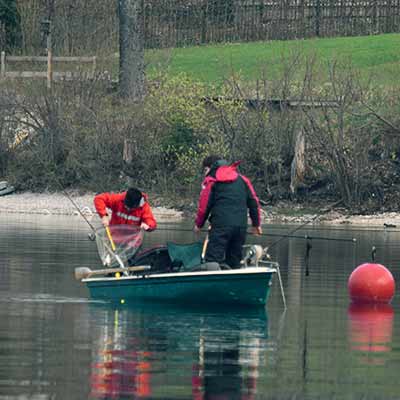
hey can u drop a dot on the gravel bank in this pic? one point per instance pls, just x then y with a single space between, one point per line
59 204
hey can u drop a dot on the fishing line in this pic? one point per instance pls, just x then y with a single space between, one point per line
309 245
352 229
306 237
58 182
306 223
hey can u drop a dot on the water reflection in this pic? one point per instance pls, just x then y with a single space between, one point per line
370 331
56 344
152 352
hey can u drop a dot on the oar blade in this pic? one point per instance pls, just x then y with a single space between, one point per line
82 273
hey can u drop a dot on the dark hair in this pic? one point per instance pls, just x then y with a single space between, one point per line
132 198
209 161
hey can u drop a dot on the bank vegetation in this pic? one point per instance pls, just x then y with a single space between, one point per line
322 142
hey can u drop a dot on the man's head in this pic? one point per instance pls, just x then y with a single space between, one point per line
209 161
212 162
133 198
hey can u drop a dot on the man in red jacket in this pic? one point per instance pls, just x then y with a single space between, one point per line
226 199
130 207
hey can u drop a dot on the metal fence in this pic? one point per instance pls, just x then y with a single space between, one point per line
175 23
91 26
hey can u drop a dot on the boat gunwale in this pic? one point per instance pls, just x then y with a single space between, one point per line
249 271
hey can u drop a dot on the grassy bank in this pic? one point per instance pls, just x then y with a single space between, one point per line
374 56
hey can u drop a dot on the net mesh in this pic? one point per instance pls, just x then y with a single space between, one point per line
127 240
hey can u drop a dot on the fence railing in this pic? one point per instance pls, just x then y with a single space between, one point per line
174 23
91 26
49 73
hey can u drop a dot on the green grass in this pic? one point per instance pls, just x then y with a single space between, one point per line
377 56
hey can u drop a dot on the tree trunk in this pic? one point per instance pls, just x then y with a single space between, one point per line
131 49
127 156
298 163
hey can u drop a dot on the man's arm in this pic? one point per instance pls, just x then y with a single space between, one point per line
253 203
148 218
103 201
203 208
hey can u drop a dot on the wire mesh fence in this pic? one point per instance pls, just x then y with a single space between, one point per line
175 23
92 25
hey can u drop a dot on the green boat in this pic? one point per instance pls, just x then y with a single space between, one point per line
174 273
247 286
5 188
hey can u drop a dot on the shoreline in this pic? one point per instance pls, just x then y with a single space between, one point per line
60 204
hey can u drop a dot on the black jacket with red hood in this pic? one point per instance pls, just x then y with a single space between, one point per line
226 196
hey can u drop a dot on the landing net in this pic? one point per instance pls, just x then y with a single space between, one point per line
127 240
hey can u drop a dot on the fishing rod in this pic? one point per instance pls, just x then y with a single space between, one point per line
309 246
308 222
63 191
78 209
93 234
306 237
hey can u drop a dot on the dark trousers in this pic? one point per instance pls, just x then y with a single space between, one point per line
225 245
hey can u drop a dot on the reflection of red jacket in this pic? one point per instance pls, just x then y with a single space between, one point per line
121 375
120 214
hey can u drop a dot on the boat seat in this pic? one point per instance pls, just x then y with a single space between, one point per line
186 257
157 257
174 258
207 266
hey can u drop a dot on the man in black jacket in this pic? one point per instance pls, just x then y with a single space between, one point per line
225 199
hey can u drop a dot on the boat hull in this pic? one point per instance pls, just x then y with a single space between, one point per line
248 286
7 190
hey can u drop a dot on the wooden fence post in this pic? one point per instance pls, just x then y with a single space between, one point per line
317 18
3 65
203 31
49 61
94 66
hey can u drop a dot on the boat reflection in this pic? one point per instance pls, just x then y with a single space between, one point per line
370 331
154 353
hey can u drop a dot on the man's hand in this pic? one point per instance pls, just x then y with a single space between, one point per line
105 221
256 230
144 226
196 229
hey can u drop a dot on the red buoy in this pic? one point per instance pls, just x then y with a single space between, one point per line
371 283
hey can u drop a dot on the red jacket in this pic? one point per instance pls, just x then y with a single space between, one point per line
226 198
120 215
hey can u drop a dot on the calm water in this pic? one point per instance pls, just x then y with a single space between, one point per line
55 343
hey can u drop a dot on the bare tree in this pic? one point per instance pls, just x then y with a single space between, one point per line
297 172
131 49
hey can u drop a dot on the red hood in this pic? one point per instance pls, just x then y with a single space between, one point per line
227 173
